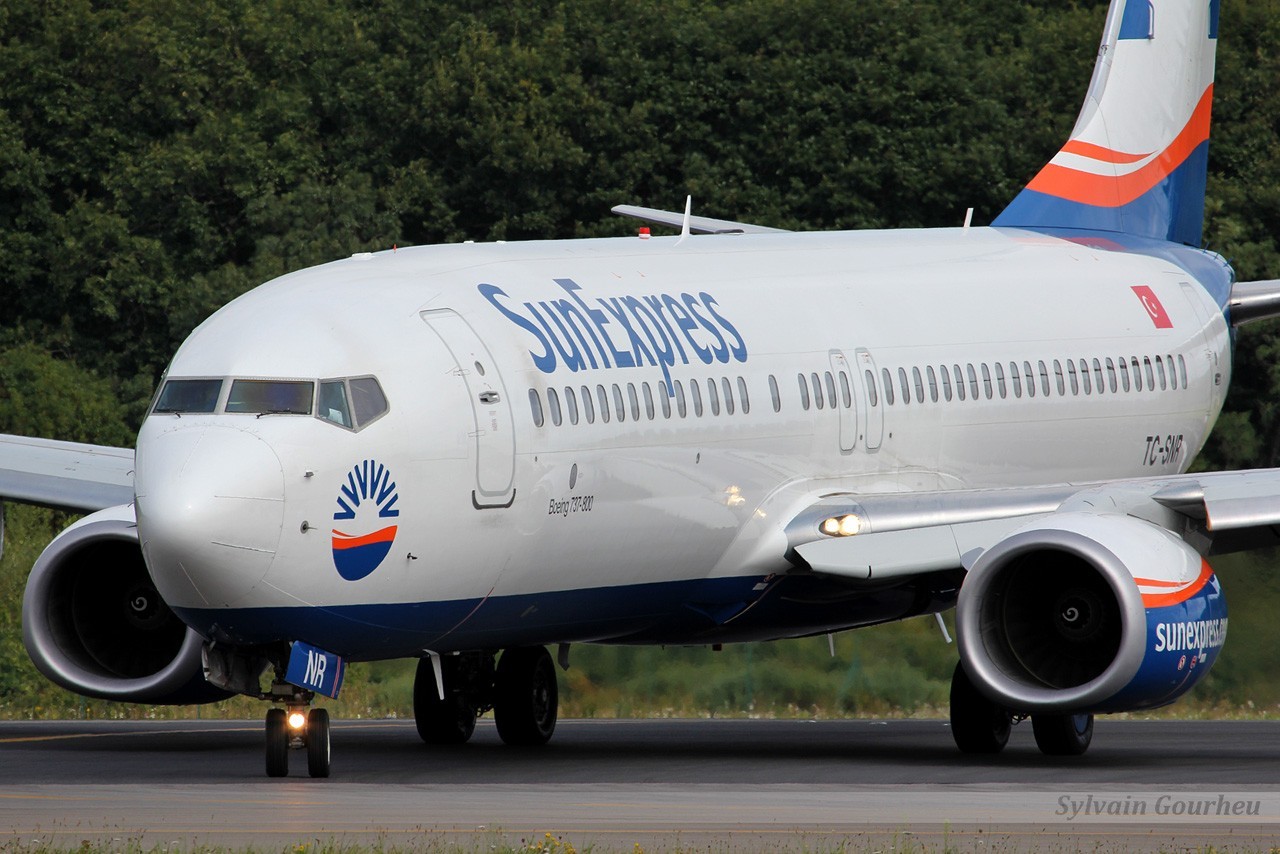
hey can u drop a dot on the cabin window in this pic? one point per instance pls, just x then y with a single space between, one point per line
1164 380
1146 369
742 395
727 388
681 406
1031 378
804 392
1124 373
1097 376
648 401
713 397
695 391
1182 370
635 401
588 408
774 393
619 405
959 376
1137 374
831 389
602 397
903 386
1001 388
973 381
553 406
571 404
846 392
1084 377
888 386
1112 383
946 383
986 381
1015 379
1072 379
535 406
664 398
872 394
1044 377
817 390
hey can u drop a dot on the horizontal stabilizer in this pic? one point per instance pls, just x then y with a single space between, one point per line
1254 301
697 224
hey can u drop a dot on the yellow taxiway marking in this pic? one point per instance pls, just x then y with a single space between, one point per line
210 730
72 735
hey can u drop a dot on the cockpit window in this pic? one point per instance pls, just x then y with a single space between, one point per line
188 396
277 397
367 399
333 403
351 403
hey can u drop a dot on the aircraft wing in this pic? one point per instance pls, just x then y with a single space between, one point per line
890 535
64 475
697 224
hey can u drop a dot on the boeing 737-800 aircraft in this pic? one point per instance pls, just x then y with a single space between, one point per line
468 453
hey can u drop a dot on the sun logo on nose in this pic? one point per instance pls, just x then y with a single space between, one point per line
365 502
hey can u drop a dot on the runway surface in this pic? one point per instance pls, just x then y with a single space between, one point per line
802 785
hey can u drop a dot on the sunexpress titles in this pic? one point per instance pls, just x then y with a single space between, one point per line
655 330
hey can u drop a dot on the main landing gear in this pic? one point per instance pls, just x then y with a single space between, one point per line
980 726
521 690
296 728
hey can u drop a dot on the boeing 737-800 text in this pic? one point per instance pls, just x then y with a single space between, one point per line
468 453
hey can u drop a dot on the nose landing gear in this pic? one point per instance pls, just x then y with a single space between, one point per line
296 728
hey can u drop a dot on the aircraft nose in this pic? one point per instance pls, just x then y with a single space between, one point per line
210 504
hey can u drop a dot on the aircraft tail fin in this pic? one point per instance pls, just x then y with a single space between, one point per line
1137 159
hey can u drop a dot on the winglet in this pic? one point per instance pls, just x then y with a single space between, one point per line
684 223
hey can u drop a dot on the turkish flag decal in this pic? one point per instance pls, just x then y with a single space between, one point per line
1155 310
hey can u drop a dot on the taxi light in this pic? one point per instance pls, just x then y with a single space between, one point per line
297 720
831 527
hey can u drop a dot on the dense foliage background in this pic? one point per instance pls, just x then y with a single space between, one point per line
159 157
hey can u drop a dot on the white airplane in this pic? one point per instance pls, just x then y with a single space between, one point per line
468 453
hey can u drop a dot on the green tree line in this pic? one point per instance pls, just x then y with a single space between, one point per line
160 157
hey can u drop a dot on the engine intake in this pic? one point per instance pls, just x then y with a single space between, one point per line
93 622
1073 613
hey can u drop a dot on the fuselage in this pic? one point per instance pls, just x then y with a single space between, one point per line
602 440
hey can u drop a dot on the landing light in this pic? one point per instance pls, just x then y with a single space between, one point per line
297 720
841 526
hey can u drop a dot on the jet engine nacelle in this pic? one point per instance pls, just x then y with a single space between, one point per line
1084 612
93 622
